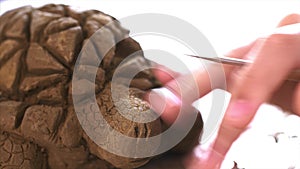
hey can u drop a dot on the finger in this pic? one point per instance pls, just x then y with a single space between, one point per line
296 105
238 115
164 74
289 19
241 53
191 87
276 57
167 101
198 158
254 87
283 97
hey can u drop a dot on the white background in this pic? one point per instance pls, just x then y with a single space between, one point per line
227 24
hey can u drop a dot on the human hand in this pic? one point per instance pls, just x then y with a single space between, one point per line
275 56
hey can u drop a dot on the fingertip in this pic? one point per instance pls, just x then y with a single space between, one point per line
165 103
164 74
236 119
290 19
204 156
240 52
239 113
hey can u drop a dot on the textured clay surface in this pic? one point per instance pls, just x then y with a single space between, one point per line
38 126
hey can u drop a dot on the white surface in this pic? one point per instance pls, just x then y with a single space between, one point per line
227 24
257 148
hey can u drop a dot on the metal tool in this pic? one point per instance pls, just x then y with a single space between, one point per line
294 76
225 60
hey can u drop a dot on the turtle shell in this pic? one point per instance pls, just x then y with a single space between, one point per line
38 124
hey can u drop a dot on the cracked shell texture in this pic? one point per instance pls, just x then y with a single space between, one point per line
38 125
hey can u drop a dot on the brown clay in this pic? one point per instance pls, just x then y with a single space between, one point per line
38 125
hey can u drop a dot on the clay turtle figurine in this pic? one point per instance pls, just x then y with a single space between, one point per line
38 126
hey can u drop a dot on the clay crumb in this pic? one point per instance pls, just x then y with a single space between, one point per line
235 166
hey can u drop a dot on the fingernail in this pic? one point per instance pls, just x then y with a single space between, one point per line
240 108
239 114
164 102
